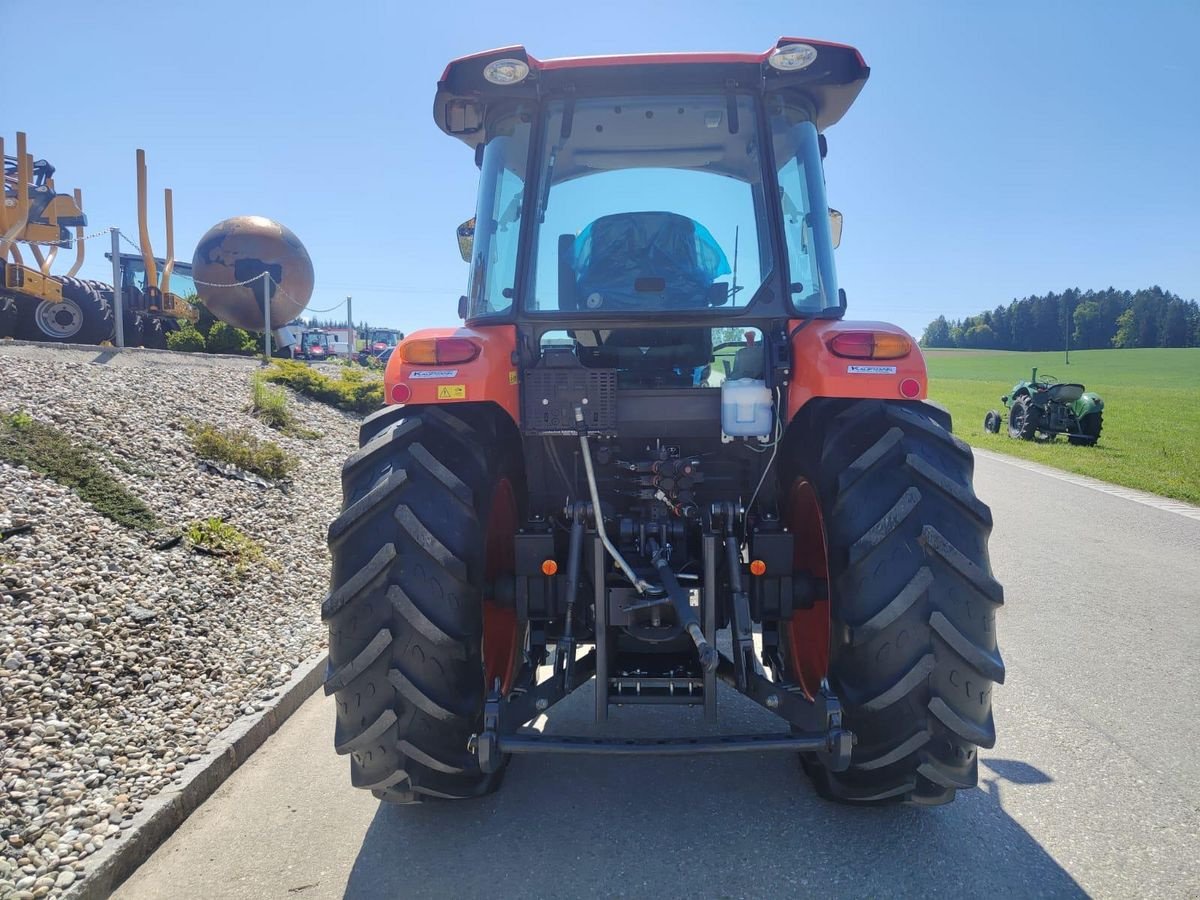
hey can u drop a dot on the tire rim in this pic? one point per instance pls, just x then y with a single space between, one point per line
806 634
501 632
59 320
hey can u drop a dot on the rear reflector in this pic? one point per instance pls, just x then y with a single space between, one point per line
401 393
870 345
910 388
438 351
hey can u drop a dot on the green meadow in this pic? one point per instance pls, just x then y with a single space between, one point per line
1151 438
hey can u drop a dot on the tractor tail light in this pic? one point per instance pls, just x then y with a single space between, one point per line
870 345
438 351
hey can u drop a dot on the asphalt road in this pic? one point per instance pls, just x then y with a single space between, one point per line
1093 788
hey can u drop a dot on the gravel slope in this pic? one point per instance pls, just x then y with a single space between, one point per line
119 662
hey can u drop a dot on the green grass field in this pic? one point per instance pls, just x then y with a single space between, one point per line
1151 438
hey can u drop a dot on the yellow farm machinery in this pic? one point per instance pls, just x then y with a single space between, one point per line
36 304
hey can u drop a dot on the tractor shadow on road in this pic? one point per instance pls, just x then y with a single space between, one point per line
716 826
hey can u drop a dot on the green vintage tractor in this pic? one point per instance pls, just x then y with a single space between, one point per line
1042 409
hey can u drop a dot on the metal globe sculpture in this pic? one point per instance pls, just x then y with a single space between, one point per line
234 254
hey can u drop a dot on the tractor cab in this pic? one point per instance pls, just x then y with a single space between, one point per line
621 194
134 277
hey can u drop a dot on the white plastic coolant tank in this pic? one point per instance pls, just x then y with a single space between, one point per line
746 408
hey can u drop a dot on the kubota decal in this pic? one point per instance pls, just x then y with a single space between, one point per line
433 373
870 370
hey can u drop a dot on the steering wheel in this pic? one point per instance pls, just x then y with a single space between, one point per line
1048 380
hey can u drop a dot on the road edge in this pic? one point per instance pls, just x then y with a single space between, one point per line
166 811
1155 501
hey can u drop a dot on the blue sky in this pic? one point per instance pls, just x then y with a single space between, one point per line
998 150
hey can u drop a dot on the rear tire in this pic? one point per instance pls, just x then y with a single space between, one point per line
991 422
1022 419
83 316
912 646
1091 425
412 553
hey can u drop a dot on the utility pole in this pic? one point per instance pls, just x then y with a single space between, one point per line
350 337
118 300
1067 329
266 277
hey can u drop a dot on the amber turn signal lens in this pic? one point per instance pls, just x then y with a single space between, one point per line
758 567
870 345
549 567
438 351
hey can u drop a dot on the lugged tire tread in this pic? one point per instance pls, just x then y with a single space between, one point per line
415 753
975 576
360 581
905 416
987 663
425 539
945 776
420 698
341 677
442 473
420 481
854 472
967 730
903 601
951 489
881 530
425 626
360 509
913 664
377 446
910 746
368 734
902 688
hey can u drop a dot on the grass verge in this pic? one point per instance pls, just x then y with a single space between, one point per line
1151 411
354 389
26 442
240 448
269 405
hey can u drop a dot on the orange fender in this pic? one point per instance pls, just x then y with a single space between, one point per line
489 377
818 372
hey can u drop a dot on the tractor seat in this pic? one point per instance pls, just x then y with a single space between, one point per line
640 261
1065 393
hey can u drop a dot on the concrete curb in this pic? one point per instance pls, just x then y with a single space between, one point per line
166 811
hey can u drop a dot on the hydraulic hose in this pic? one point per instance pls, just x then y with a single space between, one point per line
641 584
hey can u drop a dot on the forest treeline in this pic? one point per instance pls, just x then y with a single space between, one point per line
1093 320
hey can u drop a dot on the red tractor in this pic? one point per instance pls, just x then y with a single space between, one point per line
654 426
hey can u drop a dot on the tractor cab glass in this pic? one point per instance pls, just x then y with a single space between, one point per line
133 274
645 204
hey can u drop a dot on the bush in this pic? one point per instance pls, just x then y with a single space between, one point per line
186 340
242 449
352 390
224 338
26 442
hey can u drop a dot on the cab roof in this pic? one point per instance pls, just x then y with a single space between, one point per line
830 83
